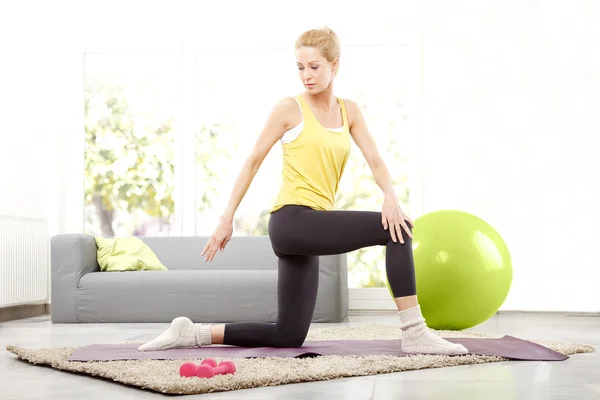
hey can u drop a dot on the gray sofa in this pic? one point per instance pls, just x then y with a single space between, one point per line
239 284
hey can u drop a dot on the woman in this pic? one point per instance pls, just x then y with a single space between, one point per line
315 130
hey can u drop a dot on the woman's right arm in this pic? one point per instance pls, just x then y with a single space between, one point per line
277 124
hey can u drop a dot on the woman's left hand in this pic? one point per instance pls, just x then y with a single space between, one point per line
393 217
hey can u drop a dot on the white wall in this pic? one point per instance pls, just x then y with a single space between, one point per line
511 134
41 115
22 138
41 109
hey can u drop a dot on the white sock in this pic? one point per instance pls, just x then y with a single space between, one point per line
182 333
417 338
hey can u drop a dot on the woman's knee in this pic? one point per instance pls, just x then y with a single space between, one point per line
292 336
291 340
406 240
405 234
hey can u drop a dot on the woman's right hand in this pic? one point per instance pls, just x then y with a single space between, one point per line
218 240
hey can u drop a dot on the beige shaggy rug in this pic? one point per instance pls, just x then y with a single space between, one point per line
163 375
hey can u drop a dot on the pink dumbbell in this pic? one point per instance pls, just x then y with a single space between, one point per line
207 369
188 369
209 361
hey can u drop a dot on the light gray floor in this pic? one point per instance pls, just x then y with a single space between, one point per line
577 378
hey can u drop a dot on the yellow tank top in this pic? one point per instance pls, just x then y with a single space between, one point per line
313 162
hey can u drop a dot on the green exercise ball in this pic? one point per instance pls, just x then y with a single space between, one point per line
463 269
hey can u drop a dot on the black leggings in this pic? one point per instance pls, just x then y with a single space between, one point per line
299 235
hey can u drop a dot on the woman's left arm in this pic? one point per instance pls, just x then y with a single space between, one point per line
392 215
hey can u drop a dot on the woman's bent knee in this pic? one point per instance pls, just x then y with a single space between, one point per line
291 340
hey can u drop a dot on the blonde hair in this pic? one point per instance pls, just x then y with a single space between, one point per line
325 39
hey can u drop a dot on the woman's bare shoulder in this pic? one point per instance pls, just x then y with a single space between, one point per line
352 110
287 110
351 105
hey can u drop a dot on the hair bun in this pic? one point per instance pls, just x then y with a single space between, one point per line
324 38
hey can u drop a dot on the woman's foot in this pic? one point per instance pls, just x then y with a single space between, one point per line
182 333
418 339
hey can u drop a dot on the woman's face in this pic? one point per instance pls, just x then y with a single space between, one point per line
314 70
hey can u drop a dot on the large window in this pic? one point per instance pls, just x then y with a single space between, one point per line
167 134
130 105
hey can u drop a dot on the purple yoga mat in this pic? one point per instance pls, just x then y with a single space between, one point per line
508 347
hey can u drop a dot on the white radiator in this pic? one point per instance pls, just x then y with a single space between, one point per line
24 261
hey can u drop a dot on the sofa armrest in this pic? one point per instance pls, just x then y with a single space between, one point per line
72 256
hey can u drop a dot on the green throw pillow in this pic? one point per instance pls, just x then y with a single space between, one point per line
126 254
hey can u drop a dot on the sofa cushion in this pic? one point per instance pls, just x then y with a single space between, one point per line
161 296
126 254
